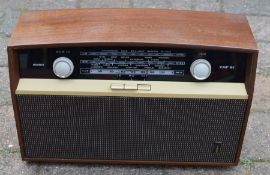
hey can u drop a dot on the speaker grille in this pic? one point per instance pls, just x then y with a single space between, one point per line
130 128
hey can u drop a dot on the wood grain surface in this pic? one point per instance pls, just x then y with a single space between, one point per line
131 26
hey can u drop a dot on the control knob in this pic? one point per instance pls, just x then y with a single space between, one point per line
63 67
200 69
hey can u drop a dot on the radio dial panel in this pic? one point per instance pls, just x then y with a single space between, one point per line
136 63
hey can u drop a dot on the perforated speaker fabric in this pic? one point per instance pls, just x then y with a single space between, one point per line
130 128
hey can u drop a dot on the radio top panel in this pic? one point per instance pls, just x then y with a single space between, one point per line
133 27
125 63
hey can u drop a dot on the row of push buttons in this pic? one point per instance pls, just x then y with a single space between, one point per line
120 86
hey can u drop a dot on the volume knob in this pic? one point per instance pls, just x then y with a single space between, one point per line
200 69
63 67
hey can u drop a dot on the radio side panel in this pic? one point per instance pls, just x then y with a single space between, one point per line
14 77
249 83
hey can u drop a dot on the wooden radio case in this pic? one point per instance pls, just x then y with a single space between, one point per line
163 113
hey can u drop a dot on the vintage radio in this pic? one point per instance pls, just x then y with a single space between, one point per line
132 86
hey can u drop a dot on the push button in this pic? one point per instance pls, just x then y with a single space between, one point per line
130 87
144 87
117 86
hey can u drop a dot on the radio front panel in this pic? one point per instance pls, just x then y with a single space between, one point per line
140 63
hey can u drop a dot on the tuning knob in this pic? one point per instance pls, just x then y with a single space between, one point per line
63 67
200 69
